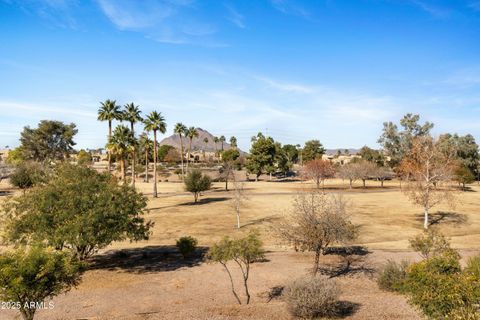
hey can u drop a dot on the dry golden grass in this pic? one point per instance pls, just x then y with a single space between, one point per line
385 216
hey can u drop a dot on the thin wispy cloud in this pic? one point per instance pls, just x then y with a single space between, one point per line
235 17
290 7
432 9
474 5
58 13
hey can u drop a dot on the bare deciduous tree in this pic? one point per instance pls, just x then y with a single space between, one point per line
349 172
316 222
238 199
318 170
429 169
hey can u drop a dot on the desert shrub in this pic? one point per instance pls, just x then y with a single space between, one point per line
309 297
35 274
439 288
464 313
27 175
196 182
430 243
186 245
393 275
84 158
243 252
473 266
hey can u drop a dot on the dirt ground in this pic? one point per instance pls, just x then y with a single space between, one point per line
149 279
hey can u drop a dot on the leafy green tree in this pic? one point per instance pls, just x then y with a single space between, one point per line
228 158
181 130
190 134
313 149
163 151
282 162
27 175
109 111
291 152
50 141
121 144
15 157
196 182
77 209
155 122
397 143
262 155
371 155
465 149
186 245
463 175
243 252
28 276
84 158
132 114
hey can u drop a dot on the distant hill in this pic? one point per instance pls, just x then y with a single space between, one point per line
197 143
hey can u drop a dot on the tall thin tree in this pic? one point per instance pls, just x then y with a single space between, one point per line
233 142
180 129
146 145
205 140
215 139
222 141
109 111
190 134
132 114
155 122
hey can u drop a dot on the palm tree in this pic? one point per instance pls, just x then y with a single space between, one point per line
190 133
121 144
215 139
146 145
233 142
131 113
180 129
155 122
222 140
205 140
109 111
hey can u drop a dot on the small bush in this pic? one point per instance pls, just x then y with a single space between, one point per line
439 288
309 297
186 245
393 275
430 243
473 266
196 182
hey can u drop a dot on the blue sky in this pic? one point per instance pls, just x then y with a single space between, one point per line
332 70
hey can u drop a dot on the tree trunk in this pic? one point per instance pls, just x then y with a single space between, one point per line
231 283
363 180
226 183
351 183
133 156
181 157
316 263
238 219
109 152
155 163
195 196
188 153
318 183
245 283
381 182
425 222
27 314
122 163
146 166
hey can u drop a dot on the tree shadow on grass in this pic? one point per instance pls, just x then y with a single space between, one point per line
353 262
270 219
205 201
5 193
149 259
444 217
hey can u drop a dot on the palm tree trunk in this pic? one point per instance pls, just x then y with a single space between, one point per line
155 163
133 156
122 163
188 153
181 157
109 152
146 166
